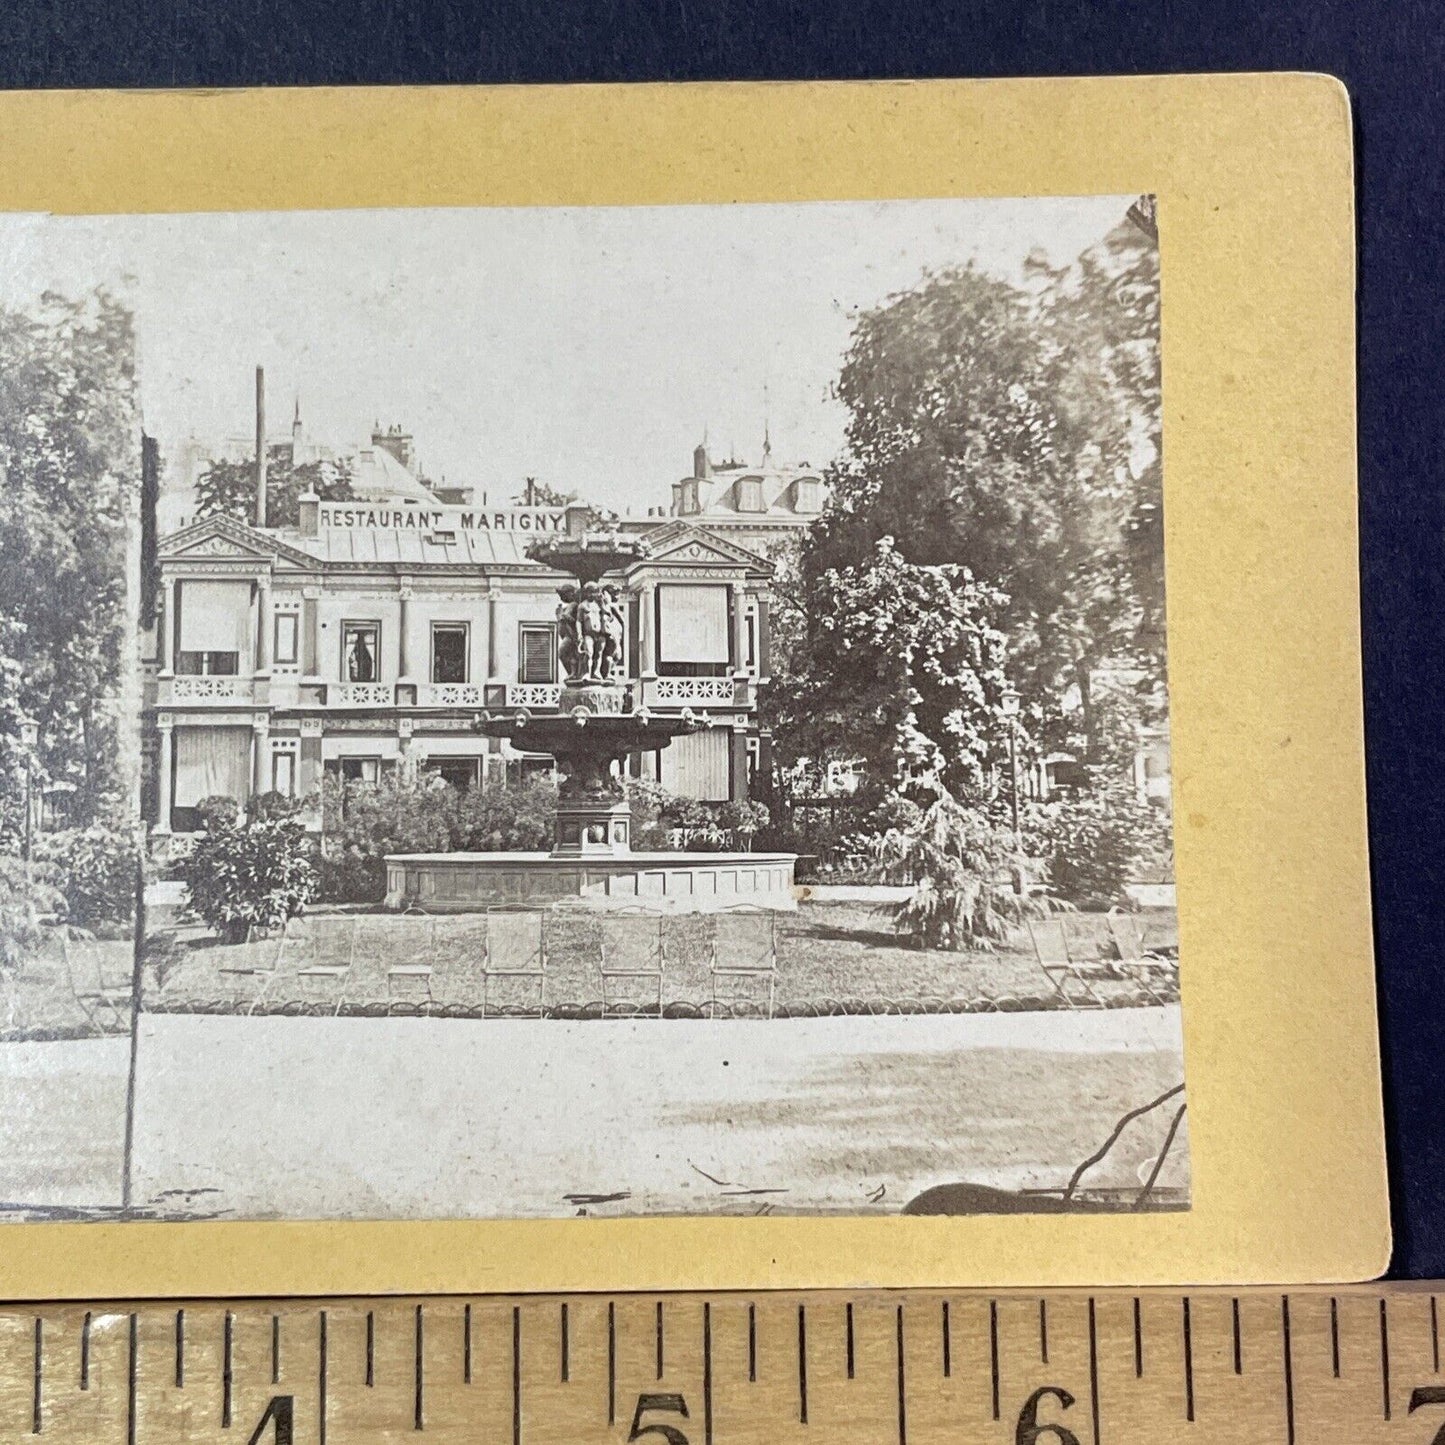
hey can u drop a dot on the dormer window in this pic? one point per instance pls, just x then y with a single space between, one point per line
806 495
750 494
689 506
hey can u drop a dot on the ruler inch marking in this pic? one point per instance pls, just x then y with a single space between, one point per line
659 1340
36 1404
1385 1355
1238 1342
1335 1336
1138 1341
321 1381
752 1344
902 1386
1434 1335
802 1364
707 1373
564 1347
180 1349
947 1343
369 1379
275 1349
1288 1370
516 1375
85 1352
467 1343
132 1365
227 1326
1043 1331
419 1373
611 1363
1188 1364
993 1351
1094 1370
848 1336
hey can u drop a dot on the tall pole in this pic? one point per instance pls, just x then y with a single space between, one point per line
260 446
1013 765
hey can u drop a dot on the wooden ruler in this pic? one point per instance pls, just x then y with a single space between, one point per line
1356 1365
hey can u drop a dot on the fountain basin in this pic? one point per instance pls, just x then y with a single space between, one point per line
668 882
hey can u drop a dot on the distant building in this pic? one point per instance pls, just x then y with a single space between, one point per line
759 506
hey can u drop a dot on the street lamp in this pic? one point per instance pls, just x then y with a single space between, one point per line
1010 704
30 737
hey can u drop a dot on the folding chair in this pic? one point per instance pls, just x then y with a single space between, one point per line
513 951
316 956
744 950
633 955
1072 976
103 993
393 956
1149 970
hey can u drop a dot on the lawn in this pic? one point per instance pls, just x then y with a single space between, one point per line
831 957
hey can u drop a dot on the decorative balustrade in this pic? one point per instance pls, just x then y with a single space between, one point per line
360 694
452 694
533 694
190 689
690 692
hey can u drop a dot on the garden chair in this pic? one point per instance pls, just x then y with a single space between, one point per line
316 956
514 952
99 975
744 952
1155 974
393 957
1071 975
633 959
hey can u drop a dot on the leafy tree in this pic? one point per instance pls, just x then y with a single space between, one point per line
543 494
69 455
229 488
905 668
254 874
1013 429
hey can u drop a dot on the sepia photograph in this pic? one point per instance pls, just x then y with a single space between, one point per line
587 712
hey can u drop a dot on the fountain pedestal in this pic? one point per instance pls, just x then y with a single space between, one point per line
593 730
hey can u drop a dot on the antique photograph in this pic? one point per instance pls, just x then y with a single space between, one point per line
553 712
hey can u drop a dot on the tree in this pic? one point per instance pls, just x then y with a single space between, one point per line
229 488
69 455
542 494
905 669
1013 429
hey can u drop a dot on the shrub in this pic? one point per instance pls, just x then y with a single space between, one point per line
28 896
960 863
419 812
250 875
705 827
95 868
1096 842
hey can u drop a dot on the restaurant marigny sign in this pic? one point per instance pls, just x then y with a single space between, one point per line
360 516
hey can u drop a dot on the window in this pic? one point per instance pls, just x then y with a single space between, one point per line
750 495
449 652
689 505
751 618
693 638
283 773
460 773
208 664
355 770
537 659
805 497
360 651
287 632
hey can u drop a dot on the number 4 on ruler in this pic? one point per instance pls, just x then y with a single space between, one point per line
279 1413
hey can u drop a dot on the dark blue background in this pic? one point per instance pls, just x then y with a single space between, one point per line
1390 55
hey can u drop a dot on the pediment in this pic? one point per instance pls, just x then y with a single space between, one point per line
226 538
683 543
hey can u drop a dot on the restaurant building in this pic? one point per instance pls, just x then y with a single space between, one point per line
375 631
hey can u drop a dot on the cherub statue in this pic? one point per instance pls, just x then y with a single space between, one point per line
567 653
613 626
591 634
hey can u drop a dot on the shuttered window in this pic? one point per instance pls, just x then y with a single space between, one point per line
694 623
537 662
696 766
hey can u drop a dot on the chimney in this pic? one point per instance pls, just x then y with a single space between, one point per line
309 505
701 466
260 447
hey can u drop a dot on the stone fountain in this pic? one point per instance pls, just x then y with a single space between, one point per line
596 726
